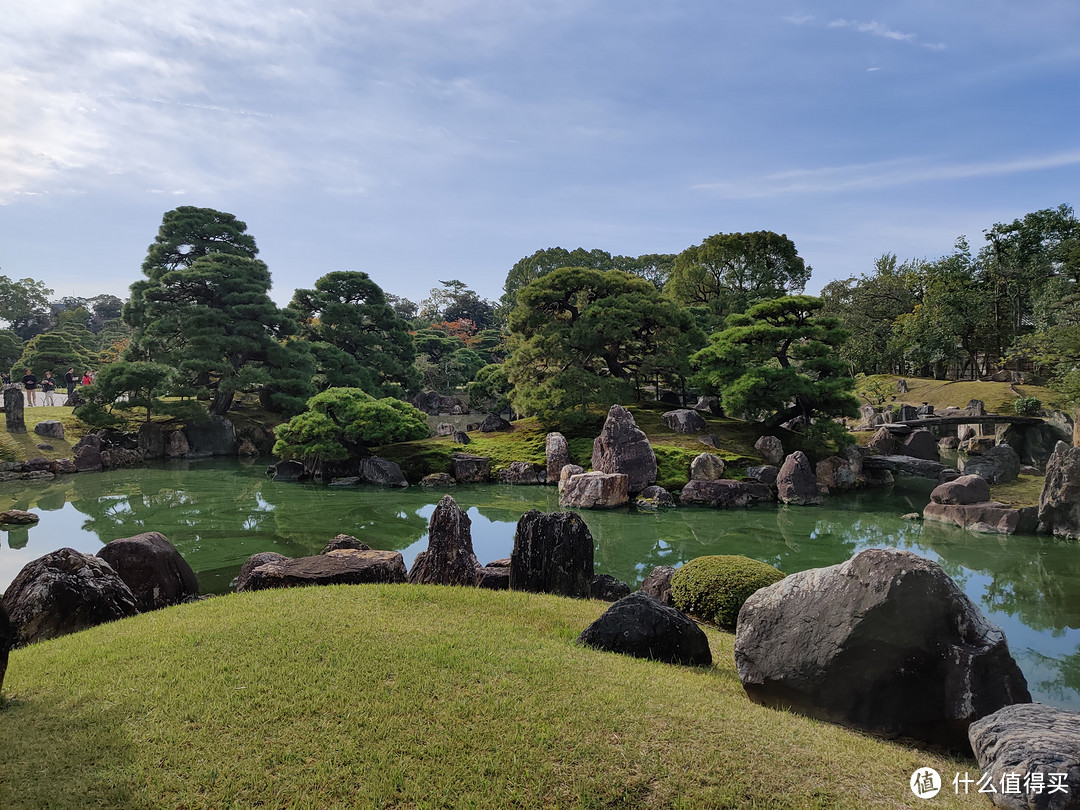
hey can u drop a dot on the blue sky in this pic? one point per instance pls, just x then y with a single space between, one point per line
421 140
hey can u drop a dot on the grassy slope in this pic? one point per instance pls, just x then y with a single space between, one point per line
378 696
941 394
23 446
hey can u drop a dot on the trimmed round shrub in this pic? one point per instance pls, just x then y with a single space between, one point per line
713 588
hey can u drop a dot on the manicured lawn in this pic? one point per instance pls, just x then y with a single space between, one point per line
410 696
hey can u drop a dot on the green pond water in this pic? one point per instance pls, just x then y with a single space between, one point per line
219 512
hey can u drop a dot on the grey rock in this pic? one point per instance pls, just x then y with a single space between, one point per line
87 459
920 444
493 422
707 467
553 553
13 411
904 465
948 443
556 454
595 490
460 437
445 429
342 567
50 428
765 474
151 440
342 541
885 642
521 472
63 592
18 517
640 626
449 558
796 482
63 465
566 473
216 436
375 470
966 489
177 445
884 443
989 516
1059 503
998 465
622 447
154 570
470 469
771 449
684 420
658 584
722 494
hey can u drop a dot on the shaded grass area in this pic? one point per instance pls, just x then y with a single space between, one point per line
525 442
1024 491
999 397
417 696
24 446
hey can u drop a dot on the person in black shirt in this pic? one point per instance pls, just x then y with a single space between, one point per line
29 382
48 385
69 381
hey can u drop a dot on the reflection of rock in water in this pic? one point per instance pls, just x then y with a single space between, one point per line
18 537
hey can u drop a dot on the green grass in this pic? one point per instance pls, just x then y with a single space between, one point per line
999 397
1024 491
24 446
411 696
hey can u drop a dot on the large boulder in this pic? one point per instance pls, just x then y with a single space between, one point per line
796 482
988 516
566 473
998 465
253 562
50 428
658 583
8 637
342 567
707 467
556 454
722 494
622 447
553 553
493 422
885 642
595 490
643 627
771 449
151 440
765 473
431 402
63 592
287 470
607 588
216 436
86 458
1038 743
375 470
469 469
883 442
522 472
920 444
449 559
154 570
176 444
13 410
963 490
684 420
842 472
1059 503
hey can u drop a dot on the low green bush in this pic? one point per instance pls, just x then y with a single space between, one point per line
1027 406
713 588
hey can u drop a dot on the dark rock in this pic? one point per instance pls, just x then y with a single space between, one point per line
948 474
470 469
722 494
884 443
287 470
445 429
345 541
641 626
434 403
151 440
1028 739
113 439
50 429
460 437
976 407
948 443
710 440
594 490
375 470
13 410
771 449
154 570
553 553
622 447
438 480
64 592
216 436
1059 503
669 398
905 465
177 445
765 474
989 516
920 444
37 475
707 467
908 413
38 464
343 567
89 440
253 562
796 483
1035 443
901 386
493 578
120 457
556 455
654 497
925 410
684 420
8 638
503 562
963 490
608 589
449 559
493 422
44 446
885 642
63 465
521 472
658 584
998 465
18 517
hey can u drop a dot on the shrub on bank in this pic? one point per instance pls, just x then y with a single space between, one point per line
713 588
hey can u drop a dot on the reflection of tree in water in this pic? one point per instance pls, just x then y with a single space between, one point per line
1065 685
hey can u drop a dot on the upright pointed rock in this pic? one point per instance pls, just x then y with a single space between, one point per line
449 559
622 447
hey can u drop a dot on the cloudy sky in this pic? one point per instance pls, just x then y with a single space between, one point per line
421 140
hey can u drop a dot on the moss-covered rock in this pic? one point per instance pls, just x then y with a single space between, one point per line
713 588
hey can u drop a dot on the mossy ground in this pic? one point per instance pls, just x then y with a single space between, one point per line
412 696
998 397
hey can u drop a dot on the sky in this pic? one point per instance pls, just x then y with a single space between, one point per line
428 140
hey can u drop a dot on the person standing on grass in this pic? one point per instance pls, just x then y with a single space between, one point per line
48 385
86 377
29 382
69 381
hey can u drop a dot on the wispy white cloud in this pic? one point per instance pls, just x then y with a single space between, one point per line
799 19
881 174
878 29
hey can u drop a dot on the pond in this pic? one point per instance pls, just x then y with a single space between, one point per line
219 512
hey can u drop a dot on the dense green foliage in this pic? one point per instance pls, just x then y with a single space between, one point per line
779 361
128 385
55 352
715 587
582 337
340 422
